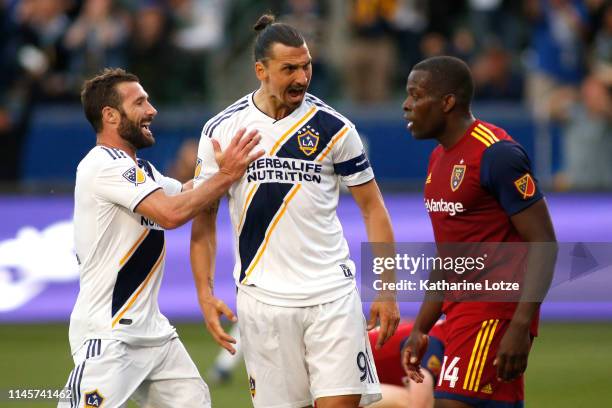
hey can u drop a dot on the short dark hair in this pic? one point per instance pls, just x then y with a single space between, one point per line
449 75
269 33
101 91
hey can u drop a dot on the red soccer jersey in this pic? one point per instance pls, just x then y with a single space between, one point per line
471 191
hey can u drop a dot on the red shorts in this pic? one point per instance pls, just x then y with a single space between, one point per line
467 372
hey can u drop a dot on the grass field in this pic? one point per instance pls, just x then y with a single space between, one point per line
570 365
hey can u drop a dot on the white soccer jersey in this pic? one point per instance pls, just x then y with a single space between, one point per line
290 248
121 253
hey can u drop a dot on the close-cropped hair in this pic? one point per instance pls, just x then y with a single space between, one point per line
449 75
101 91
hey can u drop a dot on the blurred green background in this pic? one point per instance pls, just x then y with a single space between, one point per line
570 364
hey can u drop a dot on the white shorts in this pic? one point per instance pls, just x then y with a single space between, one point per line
296 355
108 372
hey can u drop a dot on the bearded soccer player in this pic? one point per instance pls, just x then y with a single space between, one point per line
121 344
479 189
301 323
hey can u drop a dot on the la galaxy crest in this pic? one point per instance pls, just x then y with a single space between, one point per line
308 140
525 186
457 176
93 399
252 386
135 175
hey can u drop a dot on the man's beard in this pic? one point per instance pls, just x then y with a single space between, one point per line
131 132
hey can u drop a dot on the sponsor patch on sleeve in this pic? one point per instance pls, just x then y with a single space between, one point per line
525 186
198 168
135 175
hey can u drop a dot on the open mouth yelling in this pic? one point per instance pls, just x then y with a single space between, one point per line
145 128
296 93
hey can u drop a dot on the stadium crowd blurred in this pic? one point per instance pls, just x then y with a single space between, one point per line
553 56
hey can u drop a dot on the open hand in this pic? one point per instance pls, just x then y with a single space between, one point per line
213 308
235 159
412 354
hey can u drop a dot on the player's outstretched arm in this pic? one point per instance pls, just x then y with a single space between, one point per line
378 227
534 226
173 211
202 255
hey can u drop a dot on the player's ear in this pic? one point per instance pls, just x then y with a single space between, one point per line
261 70
448 102
110 116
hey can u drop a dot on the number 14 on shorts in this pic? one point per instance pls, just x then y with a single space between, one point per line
449 373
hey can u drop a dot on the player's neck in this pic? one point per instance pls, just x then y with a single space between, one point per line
114 141
270 105
456 130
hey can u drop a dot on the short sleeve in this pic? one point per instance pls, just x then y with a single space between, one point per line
505 171
122 182
206 165
350 160
171 186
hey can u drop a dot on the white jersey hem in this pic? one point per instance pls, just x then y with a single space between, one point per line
264 297
131 340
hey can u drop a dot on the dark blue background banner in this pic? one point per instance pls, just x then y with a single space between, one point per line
60 137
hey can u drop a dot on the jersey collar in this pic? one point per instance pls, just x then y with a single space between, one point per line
296 113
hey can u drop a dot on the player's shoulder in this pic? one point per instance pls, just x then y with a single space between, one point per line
312 101
498 131
103 156
103 161
497 143
229 112
488 134
503 156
